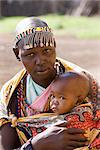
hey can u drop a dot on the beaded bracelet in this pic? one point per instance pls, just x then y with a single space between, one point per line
27 146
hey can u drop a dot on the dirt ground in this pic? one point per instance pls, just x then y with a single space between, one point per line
85 53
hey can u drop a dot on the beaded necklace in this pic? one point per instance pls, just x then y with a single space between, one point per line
21 96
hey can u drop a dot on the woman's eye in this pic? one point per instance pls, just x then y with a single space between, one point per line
30 54
47 50
62 97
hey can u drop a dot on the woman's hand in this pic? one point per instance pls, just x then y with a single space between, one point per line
59 138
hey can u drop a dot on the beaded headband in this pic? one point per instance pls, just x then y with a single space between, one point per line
34 37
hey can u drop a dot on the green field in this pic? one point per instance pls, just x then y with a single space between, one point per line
78 27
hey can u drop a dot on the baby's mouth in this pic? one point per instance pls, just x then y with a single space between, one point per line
54 108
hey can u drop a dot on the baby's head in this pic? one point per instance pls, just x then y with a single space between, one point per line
68 90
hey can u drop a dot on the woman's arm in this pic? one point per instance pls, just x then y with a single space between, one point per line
59 138
8 137
54 138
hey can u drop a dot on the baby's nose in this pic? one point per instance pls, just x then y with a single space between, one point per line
56 102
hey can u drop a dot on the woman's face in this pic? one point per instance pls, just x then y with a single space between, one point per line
39 62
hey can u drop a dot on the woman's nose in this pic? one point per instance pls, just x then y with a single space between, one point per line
39 60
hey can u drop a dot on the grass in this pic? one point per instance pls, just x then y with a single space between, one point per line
79 27
8 24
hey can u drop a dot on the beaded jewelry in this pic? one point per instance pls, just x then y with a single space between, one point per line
34 37
94 95
27 145
21 96
59 67
38 36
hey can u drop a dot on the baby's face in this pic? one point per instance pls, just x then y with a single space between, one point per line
60 103
62 99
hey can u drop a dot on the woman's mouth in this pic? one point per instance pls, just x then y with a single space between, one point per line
40 72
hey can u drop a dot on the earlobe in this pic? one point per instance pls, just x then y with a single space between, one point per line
16 52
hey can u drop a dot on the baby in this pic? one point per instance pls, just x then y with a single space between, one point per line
67 91
69 97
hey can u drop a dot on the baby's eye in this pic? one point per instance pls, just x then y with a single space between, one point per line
62 97
52 96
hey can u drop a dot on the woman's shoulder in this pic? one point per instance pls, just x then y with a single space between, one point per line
70 66
9 87
15 80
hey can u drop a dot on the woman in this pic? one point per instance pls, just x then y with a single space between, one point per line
35 47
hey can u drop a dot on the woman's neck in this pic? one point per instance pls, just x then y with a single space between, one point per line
47 81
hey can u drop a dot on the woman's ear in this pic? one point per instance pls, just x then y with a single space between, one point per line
16 52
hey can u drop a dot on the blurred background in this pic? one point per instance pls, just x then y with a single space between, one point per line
75 23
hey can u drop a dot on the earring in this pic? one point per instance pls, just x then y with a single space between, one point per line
57 67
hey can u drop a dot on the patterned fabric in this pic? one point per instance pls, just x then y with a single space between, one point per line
80 117
83 117
13 99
